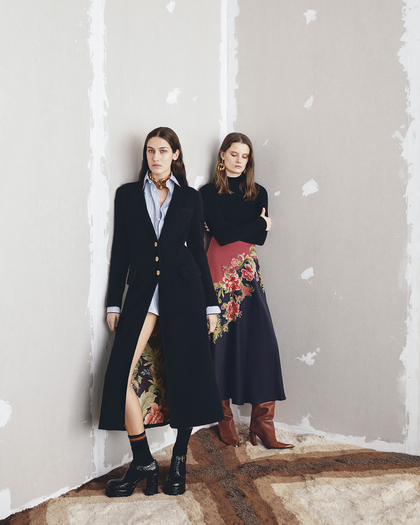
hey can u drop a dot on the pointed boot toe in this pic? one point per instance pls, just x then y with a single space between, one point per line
262 426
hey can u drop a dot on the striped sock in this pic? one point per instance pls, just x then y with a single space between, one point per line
140 448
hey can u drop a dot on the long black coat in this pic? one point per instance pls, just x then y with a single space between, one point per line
178 262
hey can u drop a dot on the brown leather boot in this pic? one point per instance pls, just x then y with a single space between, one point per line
262 426
227 426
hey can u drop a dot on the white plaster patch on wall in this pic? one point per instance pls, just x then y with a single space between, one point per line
98 208
229 10
305 427
305 422
409 56
5 412
5 504
266 142
198 182
307 274
171 6
173 96
309 357
223 58
276 193
310 187
169 437
397 135
309 102
310 16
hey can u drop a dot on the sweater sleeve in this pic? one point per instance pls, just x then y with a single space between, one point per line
260 236
222 231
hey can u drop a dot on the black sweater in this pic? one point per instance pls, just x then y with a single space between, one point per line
230 218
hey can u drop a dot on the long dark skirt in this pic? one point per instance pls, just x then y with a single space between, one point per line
245 351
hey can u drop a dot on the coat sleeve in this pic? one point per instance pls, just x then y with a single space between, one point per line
120 255
195 243
222 231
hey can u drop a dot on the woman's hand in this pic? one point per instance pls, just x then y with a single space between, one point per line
211 323
267 220
112 320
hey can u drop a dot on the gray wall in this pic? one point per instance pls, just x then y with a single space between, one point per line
81 84
353 231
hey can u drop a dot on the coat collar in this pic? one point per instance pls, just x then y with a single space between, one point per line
144 215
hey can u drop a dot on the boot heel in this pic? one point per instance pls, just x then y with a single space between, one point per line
152 484
253 438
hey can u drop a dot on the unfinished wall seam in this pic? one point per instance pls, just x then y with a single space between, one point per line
98 209
229 10
410 58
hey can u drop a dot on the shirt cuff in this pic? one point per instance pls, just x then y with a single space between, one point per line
212 310
113 310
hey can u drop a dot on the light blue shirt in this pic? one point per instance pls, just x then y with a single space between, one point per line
157 214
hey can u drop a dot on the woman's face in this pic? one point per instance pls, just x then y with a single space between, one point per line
159 157
236 159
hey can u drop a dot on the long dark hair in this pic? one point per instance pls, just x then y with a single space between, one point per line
248 186
178 168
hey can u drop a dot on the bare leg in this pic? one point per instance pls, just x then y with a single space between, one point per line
133 414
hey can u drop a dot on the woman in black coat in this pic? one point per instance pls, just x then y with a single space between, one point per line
158 242
245 353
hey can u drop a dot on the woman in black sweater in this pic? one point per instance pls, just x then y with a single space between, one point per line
245 352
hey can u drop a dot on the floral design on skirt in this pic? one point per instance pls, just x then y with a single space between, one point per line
236 284
149 382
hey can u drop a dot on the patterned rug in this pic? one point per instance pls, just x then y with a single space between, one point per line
316 483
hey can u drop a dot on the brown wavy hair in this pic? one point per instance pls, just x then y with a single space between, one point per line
177 167
248 186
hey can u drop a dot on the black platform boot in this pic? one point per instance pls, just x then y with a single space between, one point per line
118 488
175 482
143 466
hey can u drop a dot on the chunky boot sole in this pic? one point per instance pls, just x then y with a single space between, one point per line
174 489
122 488
175 482
118 493
152 485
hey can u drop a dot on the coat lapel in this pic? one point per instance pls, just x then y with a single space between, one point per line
144 215
173 206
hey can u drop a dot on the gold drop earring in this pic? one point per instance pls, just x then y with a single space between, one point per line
221 165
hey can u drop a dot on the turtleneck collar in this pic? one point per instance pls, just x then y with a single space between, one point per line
234 182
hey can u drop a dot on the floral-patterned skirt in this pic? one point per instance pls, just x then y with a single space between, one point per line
149 382
245 351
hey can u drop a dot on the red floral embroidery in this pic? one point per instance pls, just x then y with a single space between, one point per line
232 282
155 415
240 276
232 310
247 272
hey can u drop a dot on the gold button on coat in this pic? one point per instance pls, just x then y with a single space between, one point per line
156 259
158 272
155 244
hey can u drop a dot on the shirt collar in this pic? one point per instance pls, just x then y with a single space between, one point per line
172 178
